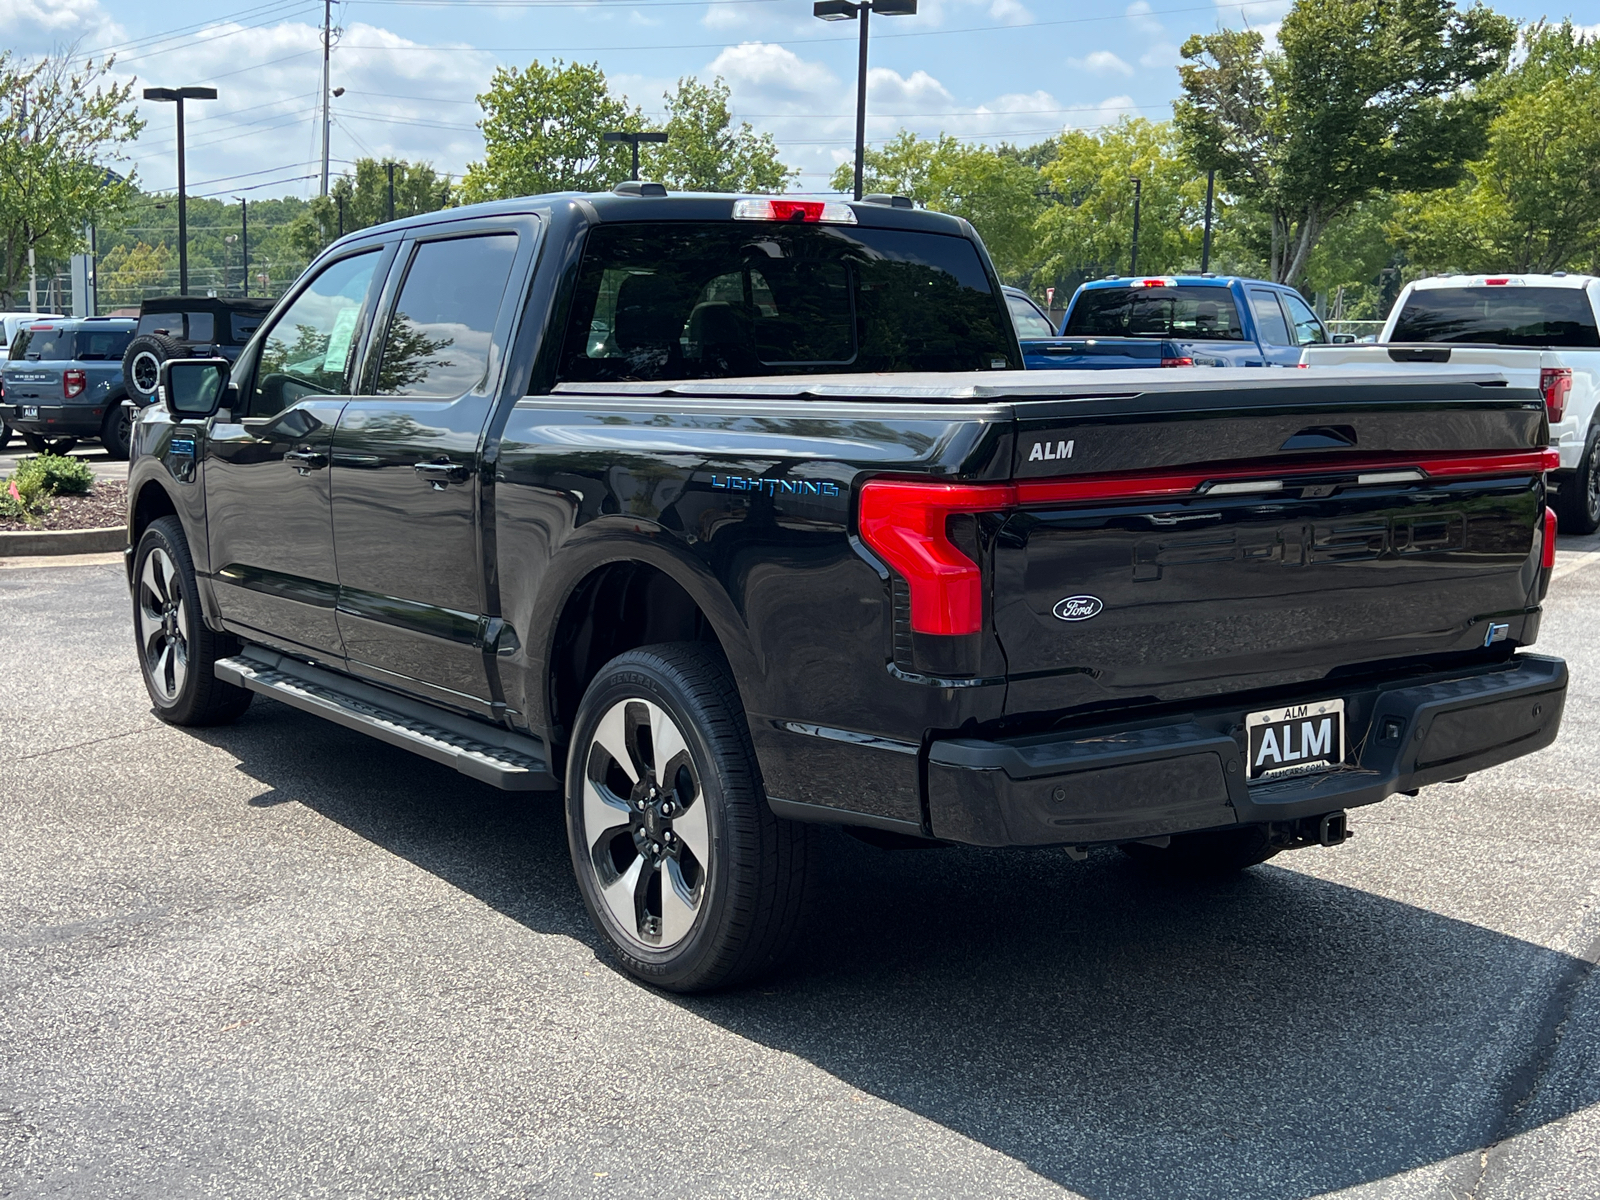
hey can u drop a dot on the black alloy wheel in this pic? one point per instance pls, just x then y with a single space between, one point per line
686 874
1581 511
116 431
177 653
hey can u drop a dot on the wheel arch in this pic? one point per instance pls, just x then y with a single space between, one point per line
619 597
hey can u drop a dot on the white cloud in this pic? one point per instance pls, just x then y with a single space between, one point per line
1139 16
40 26
1109 111
1010 12
1101 62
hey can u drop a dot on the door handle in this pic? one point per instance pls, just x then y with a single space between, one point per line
441 474
306 461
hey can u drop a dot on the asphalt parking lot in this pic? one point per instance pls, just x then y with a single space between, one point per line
281 959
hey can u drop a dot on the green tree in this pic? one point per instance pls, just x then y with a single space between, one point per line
1532 202
1365 97
705 153
364 196
1087 231
543 131
61 121
127 275
993 189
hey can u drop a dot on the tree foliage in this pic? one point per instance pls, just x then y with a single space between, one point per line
1364 97
62 120
544 131
705 153
1532 202
363 196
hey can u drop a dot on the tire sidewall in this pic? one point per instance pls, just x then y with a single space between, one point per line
118 421
161 534
1588 503
157 347
634 677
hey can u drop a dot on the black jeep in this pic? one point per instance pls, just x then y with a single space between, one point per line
186 327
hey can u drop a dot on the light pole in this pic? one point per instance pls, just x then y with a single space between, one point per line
1133 264
633 139
1205 246
244 233
852 10
389 167
178 96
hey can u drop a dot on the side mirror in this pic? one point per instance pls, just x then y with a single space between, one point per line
1343 339
193 387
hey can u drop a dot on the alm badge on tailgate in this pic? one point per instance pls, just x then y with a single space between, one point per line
1296 740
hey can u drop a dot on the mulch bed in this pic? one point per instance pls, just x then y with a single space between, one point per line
106 505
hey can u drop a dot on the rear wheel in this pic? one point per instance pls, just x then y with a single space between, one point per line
687 875
1579 499
177 653
5 435
43 445
1209 854
116 431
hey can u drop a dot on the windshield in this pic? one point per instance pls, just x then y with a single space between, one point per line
686 300
1200 313
1499 316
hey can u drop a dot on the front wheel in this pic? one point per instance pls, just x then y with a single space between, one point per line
1579 499
687 875
177 653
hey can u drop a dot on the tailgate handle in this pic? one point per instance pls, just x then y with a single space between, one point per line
1419 354
1322 437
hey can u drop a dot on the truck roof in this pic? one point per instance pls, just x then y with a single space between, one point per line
620 205
1558 279
1208 280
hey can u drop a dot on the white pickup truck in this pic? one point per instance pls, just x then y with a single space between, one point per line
1542 326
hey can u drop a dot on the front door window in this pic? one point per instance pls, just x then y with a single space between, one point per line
310 350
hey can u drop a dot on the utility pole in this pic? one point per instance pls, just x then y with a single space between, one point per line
327 46
389 167
244 239
1133 264
339 200
1205 246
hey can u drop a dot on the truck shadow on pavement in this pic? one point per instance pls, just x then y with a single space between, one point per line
1274 1035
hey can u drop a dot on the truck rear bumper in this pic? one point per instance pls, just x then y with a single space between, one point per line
1188 773
55 420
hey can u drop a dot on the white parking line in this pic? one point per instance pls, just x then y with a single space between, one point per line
1576 564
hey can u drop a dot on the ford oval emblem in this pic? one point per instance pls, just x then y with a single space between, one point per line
1078 608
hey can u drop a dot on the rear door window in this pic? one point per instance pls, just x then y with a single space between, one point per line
1270 323
692 300
202 326
1192 313
1030 322
99 345
443 325
1499 316
242 325
1308 330
169 323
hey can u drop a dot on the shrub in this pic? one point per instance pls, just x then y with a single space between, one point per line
57 474
23 498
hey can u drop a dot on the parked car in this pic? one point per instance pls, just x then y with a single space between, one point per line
63 382
1540 329
1179 321
727 516
183 327
10 322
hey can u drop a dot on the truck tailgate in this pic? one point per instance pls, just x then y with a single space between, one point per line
1174 546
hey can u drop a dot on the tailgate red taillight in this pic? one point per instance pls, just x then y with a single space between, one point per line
73 383
1556 384
1185 361
1547 557
907 524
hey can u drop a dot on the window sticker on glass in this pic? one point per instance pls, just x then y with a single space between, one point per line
344 329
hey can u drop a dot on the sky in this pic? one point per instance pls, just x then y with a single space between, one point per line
984 70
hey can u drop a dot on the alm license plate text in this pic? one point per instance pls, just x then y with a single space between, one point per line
1296 740
30 410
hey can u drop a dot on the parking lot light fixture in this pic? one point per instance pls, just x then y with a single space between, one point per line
852 10
633 139
178 96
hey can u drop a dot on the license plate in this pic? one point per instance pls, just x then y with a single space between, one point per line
1295 740
30 410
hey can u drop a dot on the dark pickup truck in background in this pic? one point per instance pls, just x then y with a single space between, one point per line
728 516
1178 321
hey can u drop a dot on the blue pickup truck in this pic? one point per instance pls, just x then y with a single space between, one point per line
1174 321
63 381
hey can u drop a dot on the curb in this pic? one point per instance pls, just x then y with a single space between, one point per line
24 543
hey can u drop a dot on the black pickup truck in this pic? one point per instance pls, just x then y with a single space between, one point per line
730 516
